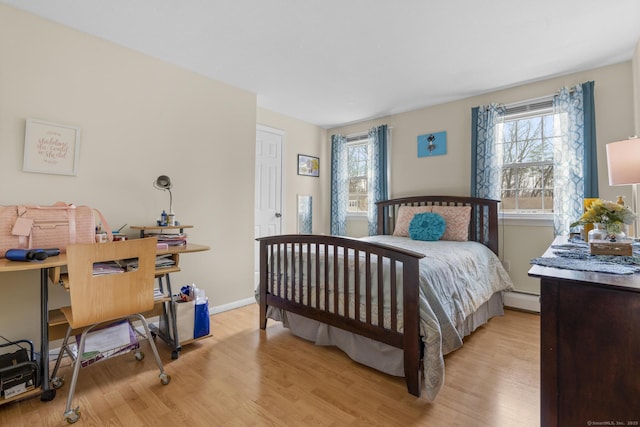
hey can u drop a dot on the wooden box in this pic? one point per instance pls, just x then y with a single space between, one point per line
611 248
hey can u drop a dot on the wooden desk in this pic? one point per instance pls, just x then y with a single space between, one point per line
50 268
590 347
167 328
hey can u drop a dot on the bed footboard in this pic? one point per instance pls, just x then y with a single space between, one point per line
362 287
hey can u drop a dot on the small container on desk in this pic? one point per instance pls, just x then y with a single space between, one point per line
597 233
604 247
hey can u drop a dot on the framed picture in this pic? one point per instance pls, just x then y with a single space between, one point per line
432 144
51 148
308 165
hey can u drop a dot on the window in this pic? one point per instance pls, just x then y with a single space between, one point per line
538 157
358 176
525 143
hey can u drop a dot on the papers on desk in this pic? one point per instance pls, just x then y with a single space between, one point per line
164 261
171 239
112 267
102 268
157 294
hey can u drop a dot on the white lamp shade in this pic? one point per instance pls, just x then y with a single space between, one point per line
623 162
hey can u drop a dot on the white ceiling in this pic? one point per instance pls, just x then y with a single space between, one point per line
333 62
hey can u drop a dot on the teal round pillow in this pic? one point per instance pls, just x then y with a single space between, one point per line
427 226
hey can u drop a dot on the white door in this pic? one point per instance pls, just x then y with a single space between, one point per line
268 197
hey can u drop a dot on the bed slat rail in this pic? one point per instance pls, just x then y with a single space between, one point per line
344 298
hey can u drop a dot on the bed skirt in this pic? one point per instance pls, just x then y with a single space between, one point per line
369 352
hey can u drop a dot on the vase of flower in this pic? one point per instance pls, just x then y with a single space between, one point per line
611 216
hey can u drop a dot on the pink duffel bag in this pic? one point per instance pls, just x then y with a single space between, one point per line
43 227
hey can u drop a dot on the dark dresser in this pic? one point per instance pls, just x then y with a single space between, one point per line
590 347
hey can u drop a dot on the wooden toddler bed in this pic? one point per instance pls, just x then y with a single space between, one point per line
388 301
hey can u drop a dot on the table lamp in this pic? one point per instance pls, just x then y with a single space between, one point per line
163 182
623 162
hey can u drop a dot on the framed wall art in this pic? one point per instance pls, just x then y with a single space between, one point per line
51 148
308 165
432 144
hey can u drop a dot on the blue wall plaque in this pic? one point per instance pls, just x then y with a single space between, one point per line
432 144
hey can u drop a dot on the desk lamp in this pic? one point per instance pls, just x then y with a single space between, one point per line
623 161
163 182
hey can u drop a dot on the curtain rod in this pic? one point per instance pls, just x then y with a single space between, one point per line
538 99
362 135
530 101
357 138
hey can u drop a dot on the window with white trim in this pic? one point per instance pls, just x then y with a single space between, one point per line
526 141
358 173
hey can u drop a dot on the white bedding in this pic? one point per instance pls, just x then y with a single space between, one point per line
456 279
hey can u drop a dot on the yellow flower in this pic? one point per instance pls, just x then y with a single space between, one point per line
607 213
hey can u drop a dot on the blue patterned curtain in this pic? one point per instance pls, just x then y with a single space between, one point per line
378 183
575 170
590 147
339 185
486 162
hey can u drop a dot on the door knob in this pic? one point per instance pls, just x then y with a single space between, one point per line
278 214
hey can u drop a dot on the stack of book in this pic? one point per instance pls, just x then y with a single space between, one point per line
171 239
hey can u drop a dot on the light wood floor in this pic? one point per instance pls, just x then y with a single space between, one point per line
246 377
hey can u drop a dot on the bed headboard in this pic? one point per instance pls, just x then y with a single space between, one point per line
483 226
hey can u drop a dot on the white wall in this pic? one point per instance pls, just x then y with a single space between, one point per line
451 173
140 118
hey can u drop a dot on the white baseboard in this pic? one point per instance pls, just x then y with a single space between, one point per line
519 300
522 301
231 305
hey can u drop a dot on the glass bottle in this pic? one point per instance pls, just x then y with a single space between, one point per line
598 233
615 231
